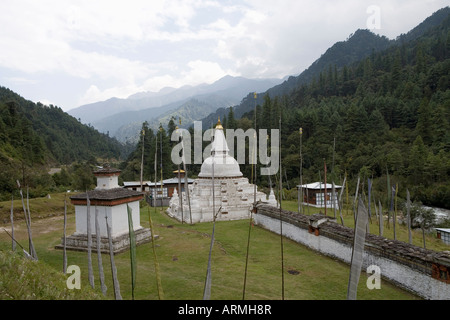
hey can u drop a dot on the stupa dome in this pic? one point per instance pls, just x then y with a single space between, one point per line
229 196
225 166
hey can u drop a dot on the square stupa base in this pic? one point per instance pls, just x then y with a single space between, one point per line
121 243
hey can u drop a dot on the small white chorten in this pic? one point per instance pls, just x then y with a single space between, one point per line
233 197
111 201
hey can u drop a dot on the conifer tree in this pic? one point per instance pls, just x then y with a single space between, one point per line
231 121
267 113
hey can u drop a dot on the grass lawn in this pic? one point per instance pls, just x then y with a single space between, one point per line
182 252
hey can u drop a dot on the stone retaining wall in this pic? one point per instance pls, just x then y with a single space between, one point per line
423 272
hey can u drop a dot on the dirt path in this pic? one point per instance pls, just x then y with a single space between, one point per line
38 227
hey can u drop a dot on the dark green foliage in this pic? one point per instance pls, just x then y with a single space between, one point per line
35 136
369 107
24 279
48 133
131 168
388 109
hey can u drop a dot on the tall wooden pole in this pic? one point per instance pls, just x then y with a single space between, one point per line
281 222
142 160
325 194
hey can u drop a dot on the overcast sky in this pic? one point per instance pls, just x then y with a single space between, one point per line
70 53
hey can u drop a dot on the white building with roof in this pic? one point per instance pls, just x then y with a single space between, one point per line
314 194
136 185
443 234
221 190
110 201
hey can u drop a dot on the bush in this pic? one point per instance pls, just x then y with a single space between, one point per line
24 279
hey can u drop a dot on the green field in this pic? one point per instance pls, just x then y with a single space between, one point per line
182 252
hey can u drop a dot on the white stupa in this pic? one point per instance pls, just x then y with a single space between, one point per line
233 196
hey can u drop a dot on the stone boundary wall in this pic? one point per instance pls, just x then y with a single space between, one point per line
423 272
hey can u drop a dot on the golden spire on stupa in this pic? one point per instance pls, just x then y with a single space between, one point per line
219 125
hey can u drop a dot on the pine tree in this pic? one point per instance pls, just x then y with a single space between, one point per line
417 159
420 59
171 126
267 113
275 113
424 122
396 70
231 121
224 122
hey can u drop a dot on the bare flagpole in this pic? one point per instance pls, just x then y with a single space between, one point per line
89 241
142 159
13 243
358 250
180 198
64 237
207 289
99 254
31 252
281 222
186 184
408 215
251 212
325 192
116 285
300 191
161 166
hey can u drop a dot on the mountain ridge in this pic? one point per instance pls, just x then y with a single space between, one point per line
233 87
336 55
371 44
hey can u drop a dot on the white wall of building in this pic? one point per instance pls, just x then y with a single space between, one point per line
117 218
107 182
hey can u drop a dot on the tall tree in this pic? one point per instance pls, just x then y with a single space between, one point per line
231 121
424 125
267 113
417 158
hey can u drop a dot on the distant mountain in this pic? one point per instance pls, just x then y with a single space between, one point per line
122 118
190 111
386 115
432 21
125 126
359 45
47 133
233 88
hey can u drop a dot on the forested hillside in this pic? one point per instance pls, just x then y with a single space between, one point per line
387 114
34 137
384 117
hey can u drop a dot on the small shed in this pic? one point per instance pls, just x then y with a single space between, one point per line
161 195
314 194
443 234
136 185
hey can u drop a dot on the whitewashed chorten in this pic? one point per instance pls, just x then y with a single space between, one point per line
111 201
233 196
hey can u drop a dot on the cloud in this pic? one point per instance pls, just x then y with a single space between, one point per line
203 72
45 102
21 81
272 40
116 47
198 72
